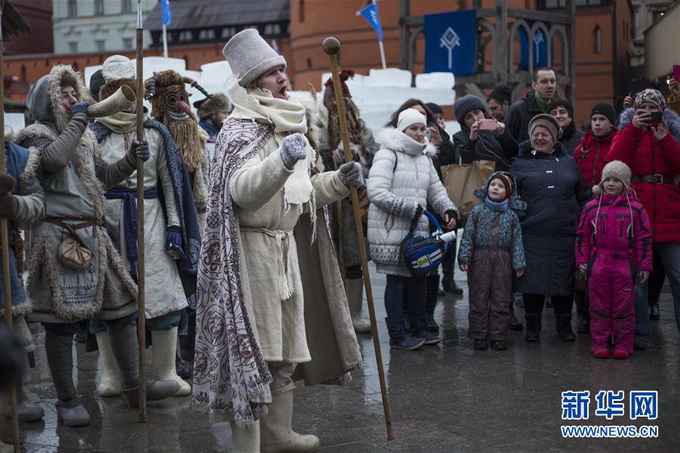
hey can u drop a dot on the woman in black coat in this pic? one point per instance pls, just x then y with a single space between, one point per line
551 184
472 144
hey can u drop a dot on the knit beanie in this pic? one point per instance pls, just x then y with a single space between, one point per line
604 109
409 117
250 56
209 106
548 122
561 103
616 170
501 93
650 95
466 104
505 179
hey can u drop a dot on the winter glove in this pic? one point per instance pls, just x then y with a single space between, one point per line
419 212
140 149
8 202
173 242
293 150
80 107
350 174
6 184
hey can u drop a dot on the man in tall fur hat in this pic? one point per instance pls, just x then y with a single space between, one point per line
76 273
170 224
270 298
364 147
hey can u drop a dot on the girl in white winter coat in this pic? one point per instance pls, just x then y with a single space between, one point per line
402 181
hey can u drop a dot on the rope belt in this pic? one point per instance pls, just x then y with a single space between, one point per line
285 266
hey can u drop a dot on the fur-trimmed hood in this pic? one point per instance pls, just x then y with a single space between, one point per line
395 140
669 115
44 98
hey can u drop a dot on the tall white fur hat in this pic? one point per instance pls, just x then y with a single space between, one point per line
409 117
250 56
118 67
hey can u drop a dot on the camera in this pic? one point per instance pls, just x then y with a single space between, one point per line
655 118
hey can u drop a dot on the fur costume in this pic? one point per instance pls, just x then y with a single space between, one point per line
74 191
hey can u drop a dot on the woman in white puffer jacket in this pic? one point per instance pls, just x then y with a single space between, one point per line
402 181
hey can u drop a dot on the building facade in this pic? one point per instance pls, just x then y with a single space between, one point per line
85 26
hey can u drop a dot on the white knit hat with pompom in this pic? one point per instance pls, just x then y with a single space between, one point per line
616 170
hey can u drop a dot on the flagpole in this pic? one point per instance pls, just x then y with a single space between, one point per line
382 54
165 41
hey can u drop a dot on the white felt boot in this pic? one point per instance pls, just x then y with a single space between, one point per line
276 430
110 380
245 438
164 354
354 288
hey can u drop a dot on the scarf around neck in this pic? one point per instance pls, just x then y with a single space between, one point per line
410 146
260 105
121 122
496 205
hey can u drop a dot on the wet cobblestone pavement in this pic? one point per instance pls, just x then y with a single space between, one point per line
445 398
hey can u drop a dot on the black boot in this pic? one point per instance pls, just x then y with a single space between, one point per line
533 327
398 337
564 331
514 323
654 314
431 303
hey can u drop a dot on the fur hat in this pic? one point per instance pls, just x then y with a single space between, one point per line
409 117
96 82
605 109
117 71
466 104
209 106
506 179
250 56
614 170
501 93
650 95
561 103
548 122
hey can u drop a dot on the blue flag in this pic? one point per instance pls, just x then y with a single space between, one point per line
370 13
451 42
537 45
166 12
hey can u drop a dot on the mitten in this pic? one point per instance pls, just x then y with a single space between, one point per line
350 174
293 150
6 184
80 107
173 241
9 206
141 148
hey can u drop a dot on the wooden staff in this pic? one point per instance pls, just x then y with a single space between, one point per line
141 301
332 47
4 242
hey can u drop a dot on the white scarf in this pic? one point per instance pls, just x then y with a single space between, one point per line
121 122
410 146
287 117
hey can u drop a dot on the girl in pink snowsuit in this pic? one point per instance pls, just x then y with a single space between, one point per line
613 246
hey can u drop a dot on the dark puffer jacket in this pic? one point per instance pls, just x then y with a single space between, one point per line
591 155
554 190
647 156
488 146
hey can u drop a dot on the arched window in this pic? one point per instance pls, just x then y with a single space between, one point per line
598 39
302 11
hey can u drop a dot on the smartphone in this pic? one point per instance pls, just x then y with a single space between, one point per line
656 117
676 72
488 124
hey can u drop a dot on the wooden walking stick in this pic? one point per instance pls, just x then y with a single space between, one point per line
141 301
4 242
332 47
